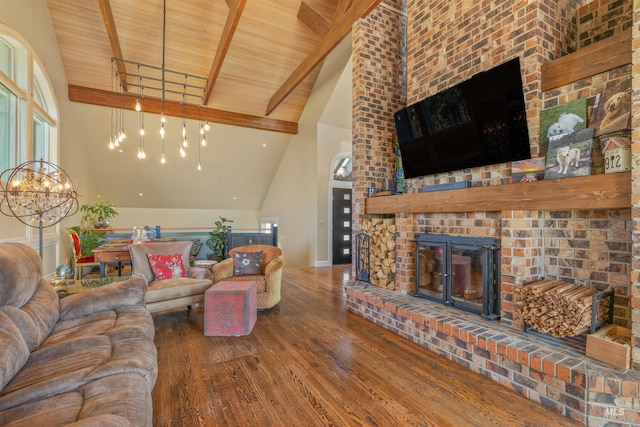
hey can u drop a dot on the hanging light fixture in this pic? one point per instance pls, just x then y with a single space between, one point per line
167 84
112 143
39 194
141 153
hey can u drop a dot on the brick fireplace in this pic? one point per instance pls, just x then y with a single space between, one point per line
405 51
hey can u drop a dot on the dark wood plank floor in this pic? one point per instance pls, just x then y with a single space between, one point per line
308 362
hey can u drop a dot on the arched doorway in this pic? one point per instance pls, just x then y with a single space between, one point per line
341 209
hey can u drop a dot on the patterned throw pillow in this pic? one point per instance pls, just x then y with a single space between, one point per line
247 263
167 266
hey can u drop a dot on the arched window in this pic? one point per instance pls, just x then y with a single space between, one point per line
341 168
28 111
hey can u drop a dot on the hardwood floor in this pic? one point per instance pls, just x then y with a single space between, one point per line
308 362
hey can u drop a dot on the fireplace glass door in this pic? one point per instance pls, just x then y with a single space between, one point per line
458 271
467 282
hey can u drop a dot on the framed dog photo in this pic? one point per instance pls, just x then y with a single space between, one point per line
570 155
562 120
612 109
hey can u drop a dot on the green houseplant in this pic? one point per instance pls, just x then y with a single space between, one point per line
218 240
98 214
89 240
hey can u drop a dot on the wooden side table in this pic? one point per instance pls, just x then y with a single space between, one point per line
106 254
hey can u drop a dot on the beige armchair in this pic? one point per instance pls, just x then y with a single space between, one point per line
267 282
174 292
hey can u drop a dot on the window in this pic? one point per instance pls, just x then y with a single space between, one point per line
28 128
7 129
342 169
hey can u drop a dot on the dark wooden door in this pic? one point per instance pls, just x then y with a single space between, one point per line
341 233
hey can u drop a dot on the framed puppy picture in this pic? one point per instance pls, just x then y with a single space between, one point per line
612 109
562 120
570 155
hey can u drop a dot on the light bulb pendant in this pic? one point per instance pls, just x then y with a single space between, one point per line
162 131
162 159
142 131
185 143
138 106
204 142
182 152
206 126
111 144
199 166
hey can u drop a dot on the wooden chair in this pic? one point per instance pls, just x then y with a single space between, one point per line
79 262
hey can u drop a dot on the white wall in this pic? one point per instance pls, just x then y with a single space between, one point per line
175 218
294 196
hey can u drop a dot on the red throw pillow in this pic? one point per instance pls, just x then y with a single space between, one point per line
167 266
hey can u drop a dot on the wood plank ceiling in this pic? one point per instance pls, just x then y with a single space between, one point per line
261 58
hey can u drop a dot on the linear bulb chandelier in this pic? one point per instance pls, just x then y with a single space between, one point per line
160 83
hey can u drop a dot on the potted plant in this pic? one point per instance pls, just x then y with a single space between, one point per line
218 240
98 214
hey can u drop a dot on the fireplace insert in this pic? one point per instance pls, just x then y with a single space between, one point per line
463 272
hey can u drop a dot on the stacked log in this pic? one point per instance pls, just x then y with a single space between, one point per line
382 251
557 308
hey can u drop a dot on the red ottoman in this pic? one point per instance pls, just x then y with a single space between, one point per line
230 309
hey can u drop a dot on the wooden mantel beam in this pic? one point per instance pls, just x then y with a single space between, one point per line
110 26
176 109
236 7
340 29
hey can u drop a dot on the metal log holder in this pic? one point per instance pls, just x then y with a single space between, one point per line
362 258
601 309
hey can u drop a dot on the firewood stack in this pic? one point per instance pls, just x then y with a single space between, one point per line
382 251
557 308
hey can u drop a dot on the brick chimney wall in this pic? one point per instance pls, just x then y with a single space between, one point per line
446 43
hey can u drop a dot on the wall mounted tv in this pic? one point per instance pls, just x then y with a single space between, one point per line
479 122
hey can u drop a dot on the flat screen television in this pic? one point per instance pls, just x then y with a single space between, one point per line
481 121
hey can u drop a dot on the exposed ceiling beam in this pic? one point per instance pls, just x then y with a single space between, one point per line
177 109
341 28
313 19
343 6
110 26
235 12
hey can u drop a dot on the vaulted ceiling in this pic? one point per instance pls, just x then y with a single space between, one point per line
260 58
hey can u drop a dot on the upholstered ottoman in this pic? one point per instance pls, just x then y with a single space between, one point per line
230 308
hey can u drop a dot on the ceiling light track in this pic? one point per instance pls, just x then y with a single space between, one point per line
190 87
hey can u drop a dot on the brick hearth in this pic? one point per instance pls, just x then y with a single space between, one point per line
546 370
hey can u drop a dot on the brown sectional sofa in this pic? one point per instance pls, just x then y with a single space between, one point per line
84 360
